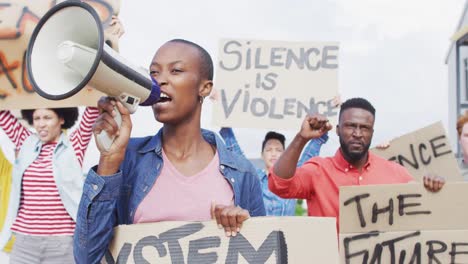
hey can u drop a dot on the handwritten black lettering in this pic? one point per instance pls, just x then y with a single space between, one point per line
435 148
378 248
149 241
431 251
402 159
194 256
424 161
348 255
389 209
391 244
357 200
406 248
122 258
275 242
273 245
171 237
453 253
416 258
423 153
402 205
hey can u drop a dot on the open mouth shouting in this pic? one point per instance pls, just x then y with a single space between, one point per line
164 98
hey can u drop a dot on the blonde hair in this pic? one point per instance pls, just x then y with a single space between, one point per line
461 122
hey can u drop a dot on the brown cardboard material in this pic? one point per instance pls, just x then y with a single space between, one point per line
274 84
19 18
414 208
424 151
404 223
261 240
425 246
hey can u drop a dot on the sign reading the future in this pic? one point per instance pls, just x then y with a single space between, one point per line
404 223
275 84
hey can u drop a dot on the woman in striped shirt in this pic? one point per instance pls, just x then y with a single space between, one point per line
47 183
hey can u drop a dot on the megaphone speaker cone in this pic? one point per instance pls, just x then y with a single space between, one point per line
68 21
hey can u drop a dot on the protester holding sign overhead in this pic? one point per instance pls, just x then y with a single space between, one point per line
319 179
47 183
182 173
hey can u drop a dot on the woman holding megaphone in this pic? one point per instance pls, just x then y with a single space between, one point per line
182 173
47 183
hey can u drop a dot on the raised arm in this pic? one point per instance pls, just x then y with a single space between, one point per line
312 127
312 149
81 137
230 140
13 128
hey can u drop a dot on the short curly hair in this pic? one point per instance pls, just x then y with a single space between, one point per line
69 115
357 102
461 122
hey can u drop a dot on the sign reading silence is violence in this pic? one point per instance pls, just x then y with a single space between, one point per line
274 84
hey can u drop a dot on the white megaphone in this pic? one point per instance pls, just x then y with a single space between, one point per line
67 51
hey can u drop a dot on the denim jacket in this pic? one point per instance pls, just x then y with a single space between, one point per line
67 174
274 205
112 200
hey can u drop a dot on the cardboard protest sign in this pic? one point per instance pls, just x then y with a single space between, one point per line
434 246
404 223
261 240
274 84
424 151
402 207
18 20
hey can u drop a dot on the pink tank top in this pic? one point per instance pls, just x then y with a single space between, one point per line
175 197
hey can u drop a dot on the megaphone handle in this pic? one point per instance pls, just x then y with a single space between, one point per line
103 138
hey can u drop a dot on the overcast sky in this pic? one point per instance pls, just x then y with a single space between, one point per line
392 52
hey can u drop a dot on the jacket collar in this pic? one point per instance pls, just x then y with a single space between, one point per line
226 157
62 141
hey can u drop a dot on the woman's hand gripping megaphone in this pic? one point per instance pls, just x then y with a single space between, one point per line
112 130
116 107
